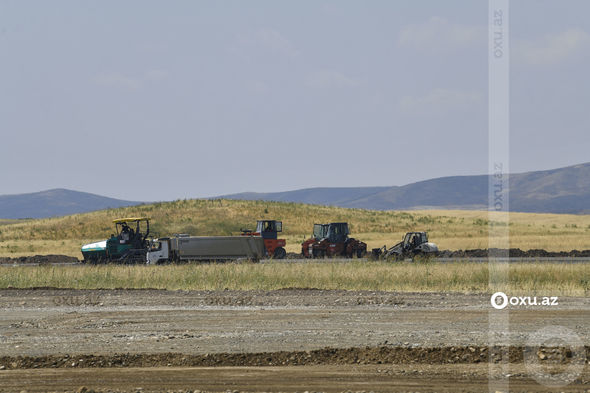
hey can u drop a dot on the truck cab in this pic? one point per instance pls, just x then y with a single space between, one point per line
158 251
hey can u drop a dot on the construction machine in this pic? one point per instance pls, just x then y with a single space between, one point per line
128 245
183 247
414 244
268 230
330 240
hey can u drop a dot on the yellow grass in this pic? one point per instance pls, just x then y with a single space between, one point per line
449 229
541 279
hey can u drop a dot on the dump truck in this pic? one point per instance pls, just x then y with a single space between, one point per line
127 245
414 244
182 247
130 244
268 230
330 240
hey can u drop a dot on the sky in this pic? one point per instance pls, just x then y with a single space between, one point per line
163 100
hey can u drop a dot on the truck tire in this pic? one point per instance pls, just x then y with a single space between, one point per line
280 253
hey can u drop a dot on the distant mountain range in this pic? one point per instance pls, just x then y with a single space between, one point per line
563 190
56 202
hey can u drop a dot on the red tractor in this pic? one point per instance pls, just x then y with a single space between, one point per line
330 240
269 229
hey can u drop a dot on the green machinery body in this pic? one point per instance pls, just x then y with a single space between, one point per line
128 245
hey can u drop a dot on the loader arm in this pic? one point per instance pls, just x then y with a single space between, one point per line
395 249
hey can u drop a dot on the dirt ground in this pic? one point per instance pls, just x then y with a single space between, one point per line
322 378
286 340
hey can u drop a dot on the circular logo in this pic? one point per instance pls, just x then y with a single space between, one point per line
494 300
566 369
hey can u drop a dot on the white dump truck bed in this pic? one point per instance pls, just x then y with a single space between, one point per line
217 247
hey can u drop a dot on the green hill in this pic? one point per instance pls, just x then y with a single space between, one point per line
450 229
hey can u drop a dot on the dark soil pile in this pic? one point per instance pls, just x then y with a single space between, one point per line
513 253
39 259
335 356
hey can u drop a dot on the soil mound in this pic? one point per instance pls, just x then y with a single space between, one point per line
39 259
513 253
334 356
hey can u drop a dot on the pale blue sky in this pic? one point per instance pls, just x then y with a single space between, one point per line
155 100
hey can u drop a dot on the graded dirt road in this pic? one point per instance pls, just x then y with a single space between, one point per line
125 339
322 378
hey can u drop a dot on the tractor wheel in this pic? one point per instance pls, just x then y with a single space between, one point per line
398 257
318 253
423 257
418 256
280 253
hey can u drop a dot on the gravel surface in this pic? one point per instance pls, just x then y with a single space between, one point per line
48 321
313 340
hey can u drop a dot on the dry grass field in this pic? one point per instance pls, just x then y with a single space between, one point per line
450 229
523 278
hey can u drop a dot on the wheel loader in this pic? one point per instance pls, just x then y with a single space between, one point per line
414 244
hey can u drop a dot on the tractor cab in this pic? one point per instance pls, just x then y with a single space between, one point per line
414 239
337 232
320 231
129 243
268 229
129 231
